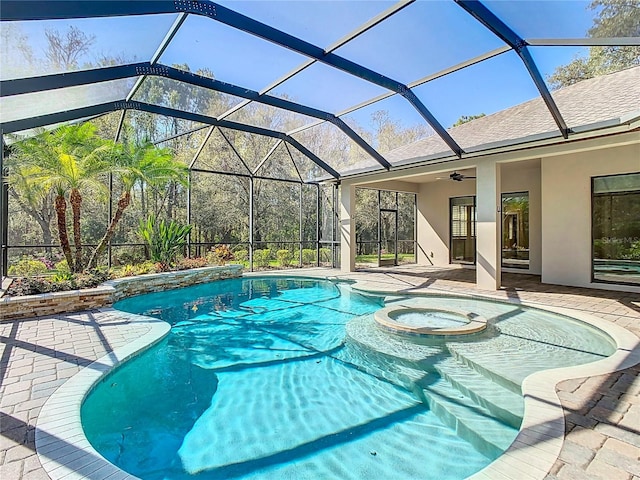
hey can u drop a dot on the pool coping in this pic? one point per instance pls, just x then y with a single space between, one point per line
541 436
62 447
65 453
475 323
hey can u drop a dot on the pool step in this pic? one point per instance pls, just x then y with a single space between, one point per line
500 401
389 369
471 421
476 362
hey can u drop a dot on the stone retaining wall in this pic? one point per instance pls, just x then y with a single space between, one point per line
109 292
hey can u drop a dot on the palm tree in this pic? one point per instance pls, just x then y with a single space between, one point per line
139 165
66 160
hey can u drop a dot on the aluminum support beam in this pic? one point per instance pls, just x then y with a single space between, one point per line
66 9
502 31
347 130
159 51
251 222
19 125
4 213
293 162
266 157
48 82
584 42
233 148
201 147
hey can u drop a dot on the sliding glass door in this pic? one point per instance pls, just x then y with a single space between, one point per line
616 228
515 230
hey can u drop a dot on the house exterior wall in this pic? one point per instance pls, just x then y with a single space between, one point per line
558 179
433 212
566 211
433 218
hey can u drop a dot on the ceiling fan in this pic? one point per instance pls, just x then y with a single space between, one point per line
458 177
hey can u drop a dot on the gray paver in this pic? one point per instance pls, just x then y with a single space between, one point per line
602 436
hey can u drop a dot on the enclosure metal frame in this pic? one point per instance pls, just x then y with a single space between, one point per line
17 10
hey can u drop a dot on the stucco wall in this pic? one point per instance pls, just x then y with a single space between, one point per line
566 210
433 218
433 212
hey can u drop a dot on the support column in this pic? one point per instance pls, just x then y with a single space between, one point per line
488 210
347 228
4 212
189 180
251 213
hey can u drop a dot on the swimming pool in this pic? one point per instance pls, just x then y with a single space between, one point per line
290 378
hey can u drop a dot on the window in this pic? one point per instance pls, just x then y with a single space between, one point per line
616 228
463 229
515 230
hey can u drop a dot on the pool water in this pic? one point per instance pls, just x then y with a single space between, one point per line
431 319
280 378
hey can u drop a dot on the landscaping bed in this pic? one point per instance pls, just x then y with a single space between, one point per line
105 294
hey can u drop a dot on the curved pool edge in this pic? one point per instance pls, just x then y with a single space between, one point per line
540 438
61 445
64 450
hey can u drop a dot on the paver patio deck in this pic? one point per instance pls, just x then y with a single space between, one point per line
602 413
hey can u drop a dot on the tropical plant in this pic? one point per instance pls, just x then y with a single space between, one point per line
220 254
165 240
65 161
62 266
144 165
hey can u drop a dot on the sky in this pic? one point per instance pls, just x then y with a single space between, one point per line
422 39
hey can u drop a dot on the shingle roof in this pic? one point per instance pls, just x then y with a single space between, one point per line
591 101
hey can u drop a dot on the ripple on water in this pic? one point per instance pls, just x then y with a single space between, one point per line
255 381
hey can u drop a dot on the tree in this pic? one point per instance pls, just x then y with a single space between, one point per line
137 165
65 49
468 118
391 134
614 18
33 199
65 161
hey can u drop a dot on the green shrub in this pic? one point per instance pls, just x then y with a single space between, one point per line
325 255
261 257
62 266
27 267
128 271
166 240
308 256
241 256
634 251
285 258
145 267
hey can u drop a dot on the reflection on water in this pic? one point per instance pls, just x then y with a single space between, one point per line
290 378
